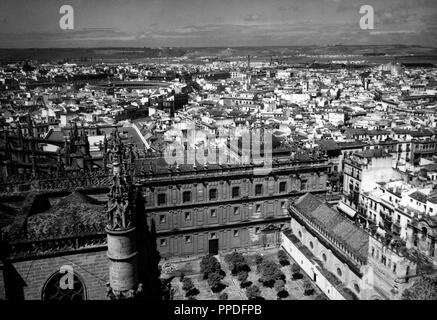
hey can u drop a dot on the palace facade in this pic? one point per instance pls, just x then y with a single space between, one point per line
51 223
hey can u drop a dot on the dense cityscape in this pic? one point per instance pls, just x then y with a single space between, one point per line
350 194
180 151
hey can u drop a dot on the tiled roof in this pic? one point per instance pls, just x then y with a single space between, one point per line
373 153
419 196
75 213
337 225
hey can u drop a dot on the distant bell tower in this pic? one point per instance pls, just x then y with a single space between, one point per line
121 229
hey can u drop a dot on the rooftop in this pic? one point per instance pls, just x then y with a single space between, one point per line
338 226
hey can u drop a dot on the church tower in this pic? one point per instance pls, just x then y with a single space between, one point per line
133 256
121 228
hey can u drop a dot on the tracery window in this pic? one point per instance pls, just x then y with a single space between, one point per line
53 290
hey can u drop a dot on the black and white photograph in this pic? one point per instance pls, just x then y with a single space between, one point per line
236 151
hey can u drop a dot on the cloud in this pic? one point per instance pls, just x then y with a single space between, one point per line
297 22
77 36
346 6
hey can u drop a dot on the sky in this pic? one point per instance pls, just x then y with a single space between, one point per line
210 23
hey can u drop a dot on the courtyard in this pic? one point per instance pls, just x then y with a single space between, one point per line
190 268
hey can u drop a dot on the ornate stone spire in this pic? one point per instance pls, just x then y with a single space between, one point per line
120 196
121 227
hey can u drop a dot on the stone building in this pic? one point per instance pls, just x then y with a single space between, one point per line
214 208
55 226
361 172
345 261
422 236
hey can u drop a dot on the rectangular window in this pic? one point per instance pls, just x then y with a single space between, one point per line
258 208
187 239
235 192
257 230
283 204
213 194
187 216
161 199
236 233
394 267
236 210
163 242
162 218
186 196
282 186
303 185
213 213
258 189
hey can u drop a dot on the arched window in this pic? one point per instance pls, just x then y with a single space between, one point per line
300 234
52 289
311 245
324 257
339 272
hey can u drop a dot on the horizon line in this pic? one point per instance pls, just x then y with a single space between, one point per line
223 46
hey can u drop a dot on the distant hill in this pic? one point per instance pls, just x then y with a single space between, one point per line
373 53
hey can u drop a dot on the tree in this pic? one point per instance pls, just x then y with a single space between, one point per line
242 276
245 284
187 284
188 287
295 271
424 288
223 296
192 292
270 272
237 262
214 281
209 264
258 260
282 294
253 292
283 258
308 288
279 285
